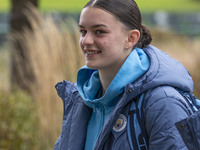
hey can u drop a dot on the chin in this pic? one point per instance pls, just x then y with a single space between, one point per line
91 65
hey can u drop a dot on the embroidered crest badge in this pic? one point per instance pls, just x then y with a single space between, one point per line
120 123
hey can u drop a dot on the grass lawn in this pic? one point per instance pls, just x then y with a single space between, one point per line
62 5
4 5
145 5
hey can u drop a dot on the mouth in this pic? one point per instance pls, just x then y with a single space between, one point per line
91 52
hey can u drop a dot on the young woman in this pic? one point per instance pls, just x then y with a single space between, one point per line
122 70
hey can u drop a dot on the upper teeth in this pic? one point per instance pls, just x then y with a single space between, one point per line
90 53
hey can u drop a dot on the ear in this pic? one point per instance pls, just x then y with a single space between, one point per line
133 37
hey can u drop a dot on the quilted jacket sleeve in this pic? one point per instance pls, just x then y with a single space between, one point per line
164 108
75 118
189 129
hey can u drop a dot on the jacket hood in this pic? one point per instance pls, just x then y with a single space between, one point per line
164 70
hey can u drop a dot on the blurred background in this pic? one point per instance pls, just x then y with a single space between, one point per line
39 47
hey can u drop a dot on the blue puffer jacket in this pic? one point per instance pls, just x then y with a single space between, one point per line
190 131
164 107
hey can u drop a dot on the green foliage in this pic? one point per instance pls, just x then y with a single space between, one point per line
18 121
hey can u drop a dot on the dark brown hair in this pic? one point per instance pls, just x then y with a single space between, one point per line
127 12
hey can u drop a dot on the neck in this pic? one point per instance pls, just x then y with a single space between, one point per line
106 77
107 74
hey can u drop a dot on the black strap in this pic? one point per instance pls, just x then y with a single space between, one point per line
141 121
132 129
143 137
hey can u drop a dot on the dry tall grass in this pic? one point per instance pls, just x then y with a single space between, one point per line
54 55
4 68
184 49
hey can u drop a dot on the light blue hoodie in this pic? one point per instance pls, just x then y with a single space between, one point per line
89 87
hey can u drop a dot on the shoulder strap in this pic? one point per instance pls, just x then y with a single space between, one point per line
137 133
193 102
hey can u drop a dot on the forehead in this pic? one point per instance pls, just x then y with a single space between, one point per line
93 15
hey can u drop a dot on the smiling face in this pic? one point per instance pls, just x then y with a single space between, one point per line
103 39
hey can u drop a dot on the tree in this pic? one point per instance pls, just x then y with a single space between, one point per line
19 22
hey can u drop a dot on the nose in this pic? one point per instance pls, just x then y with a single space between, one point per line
87 39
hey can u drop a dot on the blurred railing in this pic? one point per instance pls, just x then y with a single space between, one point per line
181 23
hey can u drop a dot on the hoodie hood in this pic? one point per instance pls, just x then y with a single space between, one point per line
89 85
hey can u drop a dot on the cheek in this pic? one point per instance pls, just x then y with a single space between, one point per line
103 45
107 46
80 43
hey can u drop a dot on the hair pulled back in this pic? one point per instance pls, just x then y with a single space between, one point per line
128 13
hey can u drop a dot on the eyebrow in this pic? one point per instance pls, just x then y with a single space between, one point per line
95 26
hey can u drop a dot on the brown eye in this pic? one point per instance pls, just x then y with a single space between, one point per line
99 32
83 32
